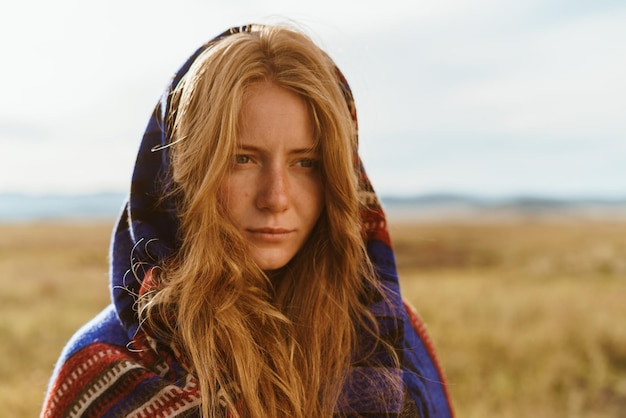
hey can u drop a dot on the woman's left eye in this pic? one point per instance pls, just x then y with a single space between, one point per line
307 163
242 159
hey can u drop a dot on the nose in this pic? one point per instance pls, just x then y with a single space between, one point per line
273 194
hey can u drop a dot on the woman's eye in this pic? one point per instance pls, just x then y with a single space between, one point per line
307 163
242 159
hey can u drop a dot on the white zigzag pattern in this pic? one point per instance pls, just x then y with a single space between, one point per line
98 387
80 369
178 399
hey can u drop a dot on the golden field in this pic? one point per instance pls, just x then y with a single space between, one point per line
528 316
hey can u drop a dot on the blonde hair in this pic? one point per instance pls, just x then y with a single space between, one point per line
261 346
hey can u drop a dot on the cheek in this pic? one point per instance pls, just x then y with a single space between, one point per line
317 202
233 195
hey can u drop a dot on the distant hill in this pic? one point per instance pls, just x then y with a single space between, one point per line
447 206
21 207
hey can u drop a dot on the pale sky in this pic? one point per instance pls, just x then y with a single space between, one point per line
490 97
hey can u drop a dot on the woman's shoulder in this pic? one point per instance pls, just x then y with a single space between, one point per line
102 372
105 328
86 354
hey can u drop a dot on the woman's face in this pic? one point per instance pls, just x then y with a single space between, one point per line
274 191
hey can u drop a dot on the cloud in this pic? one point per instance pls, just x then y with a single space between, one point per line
64 166
23 131
450 93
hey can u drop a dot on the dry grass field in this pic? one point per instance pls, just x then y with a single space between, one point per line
528 317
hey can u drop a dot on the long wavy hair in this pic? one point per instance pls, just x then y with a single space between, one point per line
262 346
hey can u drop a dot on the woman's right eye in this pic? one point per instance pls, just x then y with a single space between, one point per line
242 159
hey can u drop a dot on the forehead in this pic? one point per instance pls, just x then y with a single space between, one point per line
272 113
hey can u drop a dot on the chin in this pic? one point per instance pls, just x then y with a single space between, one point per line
271 262
269 267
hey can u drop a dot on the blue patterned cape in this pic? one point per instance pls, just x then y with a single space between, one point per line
101 374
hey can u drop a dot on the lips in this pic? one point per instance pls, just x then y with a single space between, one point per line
270 234
270 230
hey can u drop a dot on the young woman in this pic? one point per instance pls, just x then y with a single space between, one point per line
252 273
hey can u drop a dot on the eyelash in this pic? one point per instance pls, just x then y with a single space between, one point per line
307 163
304 162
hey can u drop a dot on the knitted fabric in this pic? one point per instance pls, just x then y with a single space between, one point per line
111 368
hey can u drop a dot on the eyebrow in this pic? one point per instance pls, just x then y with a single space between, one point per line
295 151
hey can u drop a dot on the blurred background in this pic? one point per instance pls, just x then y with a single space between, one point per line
494 131
495 98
